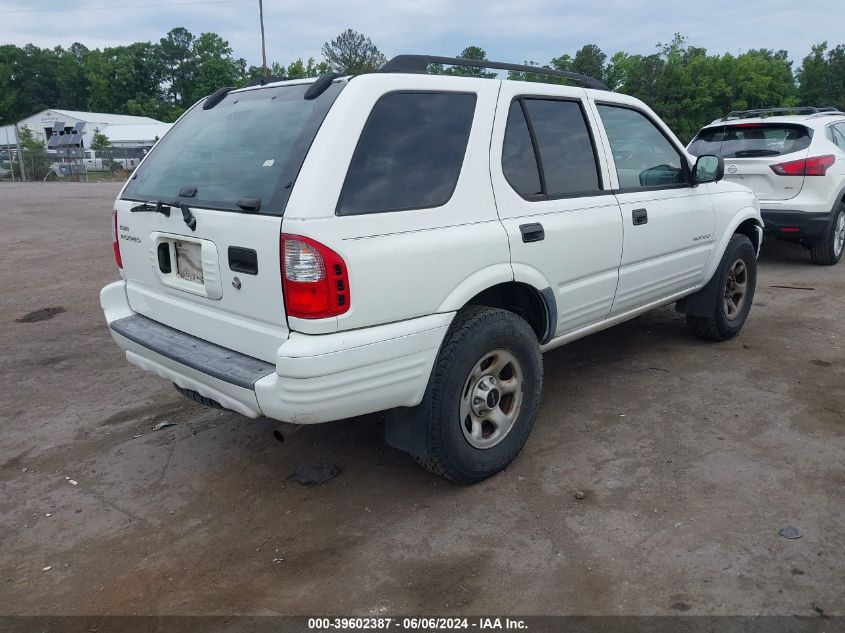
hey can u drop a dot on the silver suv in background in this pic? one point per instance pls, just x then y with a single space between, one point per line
794 160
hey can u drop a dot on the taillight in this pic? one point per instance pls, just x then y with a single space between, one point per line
815 166
314 279
115 244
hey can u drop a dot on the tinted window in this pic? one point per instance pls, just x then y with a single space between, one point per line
643 156
518 161
749 140
240 148
566 152
410 153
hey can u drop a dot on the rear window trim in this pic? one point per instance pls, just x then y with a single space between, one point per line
293 164
390 93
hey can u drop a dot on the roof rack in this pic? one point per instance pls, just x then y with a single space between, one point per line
763 112
420 63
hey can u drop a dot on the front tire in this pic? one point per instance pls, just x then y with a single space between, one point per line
828 250
737 280
483 395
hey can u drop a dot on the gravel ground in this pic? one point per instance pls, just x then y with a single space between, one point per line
691 457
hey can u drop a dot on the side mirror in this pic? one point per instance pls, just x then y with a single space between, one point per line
708 168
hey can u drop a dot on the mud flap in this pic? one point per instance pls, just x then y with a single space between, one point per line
407 428
702 303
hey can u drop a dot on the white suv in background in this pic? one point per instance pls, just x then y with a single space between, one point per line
316 250
794 160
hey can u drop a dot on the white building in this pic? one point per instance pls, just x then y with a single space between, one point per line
123 130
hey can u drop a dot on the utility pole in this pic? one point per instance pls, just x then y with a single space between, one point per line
263 49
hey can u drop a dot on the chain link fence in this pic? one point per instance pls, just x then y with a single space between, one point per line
89 166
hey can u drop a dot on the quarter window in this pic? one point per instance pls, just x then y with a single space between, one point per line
838 132
410 153
644 157
519 163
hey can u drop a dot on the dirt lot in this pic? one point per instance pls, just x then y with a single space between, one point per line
692 457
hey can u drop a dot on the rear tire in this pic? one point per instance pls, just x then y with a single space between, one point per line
737 275
828 250
473 432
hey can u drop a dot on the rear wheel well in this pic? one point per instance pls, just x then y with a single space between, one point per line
749 230
521 299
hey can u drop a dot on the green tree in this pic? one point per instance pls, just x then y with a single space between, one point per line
101 144
821 78
214 66
176 56
352 53
299 69
35 162
475 53
589 60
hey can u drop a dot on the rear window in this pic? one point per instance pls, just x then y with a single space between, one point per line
750 140
250 145
566 165
410 153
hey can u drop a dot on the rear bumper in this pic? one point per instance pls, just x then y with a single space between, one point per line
787 223
315 378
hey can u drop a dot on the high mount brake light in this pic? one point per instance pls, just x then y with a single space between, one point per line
117 259
315 281
815 166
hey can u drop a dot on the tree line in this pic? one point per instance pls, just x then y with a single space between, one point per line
686 85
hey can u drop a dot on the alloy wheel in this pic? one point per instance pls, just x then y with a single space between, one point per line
736 289
491 399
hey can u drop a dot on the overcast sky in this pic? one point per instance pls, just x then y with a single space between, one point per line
509 30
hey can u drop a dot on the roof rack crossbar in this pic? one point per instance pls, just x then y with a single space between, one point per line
420 63
747 114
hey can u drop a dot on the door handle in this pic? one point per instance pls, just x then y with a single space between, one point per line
640 216
243 260
532 232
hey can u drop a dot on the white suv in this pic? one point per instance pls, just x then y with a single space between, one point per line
316 250
794 160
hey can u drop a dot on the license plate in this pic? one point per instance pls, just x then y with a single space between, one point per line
189 261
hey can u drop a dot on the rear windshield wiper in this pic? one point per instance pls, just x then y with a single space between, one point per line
164 208
187 216
158 207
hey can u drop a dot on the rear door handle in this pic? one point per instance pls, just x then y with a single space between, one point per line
532 232
243 260
640 216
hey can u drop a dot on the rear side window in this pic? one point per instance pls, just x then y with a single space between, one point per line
410 153
557 131
750 140
644 157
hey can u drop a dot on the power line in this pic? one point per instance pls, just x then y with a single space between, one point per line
124 6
